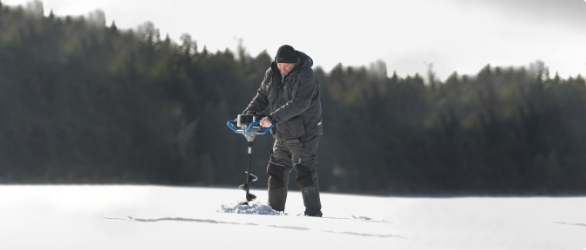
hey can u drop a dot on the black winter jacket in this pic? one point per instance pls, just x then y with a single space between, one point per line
294 105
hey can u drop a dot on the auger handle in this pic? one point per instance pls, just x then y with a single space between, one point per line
258 132
232 127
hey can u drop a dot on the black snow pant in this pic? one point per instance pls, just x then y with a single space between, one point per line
299 154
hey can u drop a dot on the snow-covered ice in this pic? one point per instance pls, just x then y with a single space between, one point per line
253 207
155 217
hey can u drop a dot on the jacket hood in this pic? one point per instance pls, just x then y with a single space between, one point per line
303 61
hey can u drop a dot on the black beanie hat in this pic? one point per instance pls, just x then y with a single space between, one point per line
286 54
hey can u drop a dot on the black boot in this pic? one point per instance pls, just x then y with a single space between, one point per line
311 198
277 199
278 185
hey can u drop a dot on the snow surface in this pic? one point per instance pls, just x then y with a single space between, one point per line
253 207
154 217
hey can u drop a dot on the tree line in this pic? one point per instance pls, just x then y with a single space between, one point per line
84 102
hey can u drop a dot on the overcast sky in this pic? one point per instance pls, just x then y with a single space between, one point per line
454 35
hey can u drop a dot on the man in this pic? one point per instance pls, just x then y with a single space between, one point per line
290 92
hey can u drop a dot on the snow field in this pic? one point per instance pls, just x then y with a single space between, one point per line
154 217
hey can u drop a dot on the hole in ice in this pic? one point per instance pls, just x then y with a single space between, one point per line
251 208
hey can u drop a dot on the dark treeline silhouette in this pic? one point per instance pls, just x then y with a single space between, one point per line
82 102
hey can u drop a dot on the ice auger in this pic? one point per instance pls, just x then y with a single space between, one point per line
249 125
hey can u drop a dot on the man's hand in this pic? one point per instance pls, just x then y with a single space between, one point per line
265 123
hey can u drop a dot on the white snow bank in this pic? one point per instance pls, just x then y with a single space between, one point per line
253 208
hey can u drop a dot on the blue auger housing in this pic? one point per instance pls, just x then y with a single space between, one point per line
249 126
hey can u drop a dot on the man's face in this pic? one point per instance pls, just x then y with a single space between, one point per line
285 68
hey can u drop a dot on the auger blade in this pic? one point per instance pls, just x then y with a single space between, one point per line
246 186
252 177
250 197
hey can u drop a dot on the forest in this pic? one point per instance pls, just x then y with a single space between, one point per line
83 102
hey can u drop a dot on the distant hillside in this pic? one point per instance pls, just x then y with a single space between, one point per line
83 102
